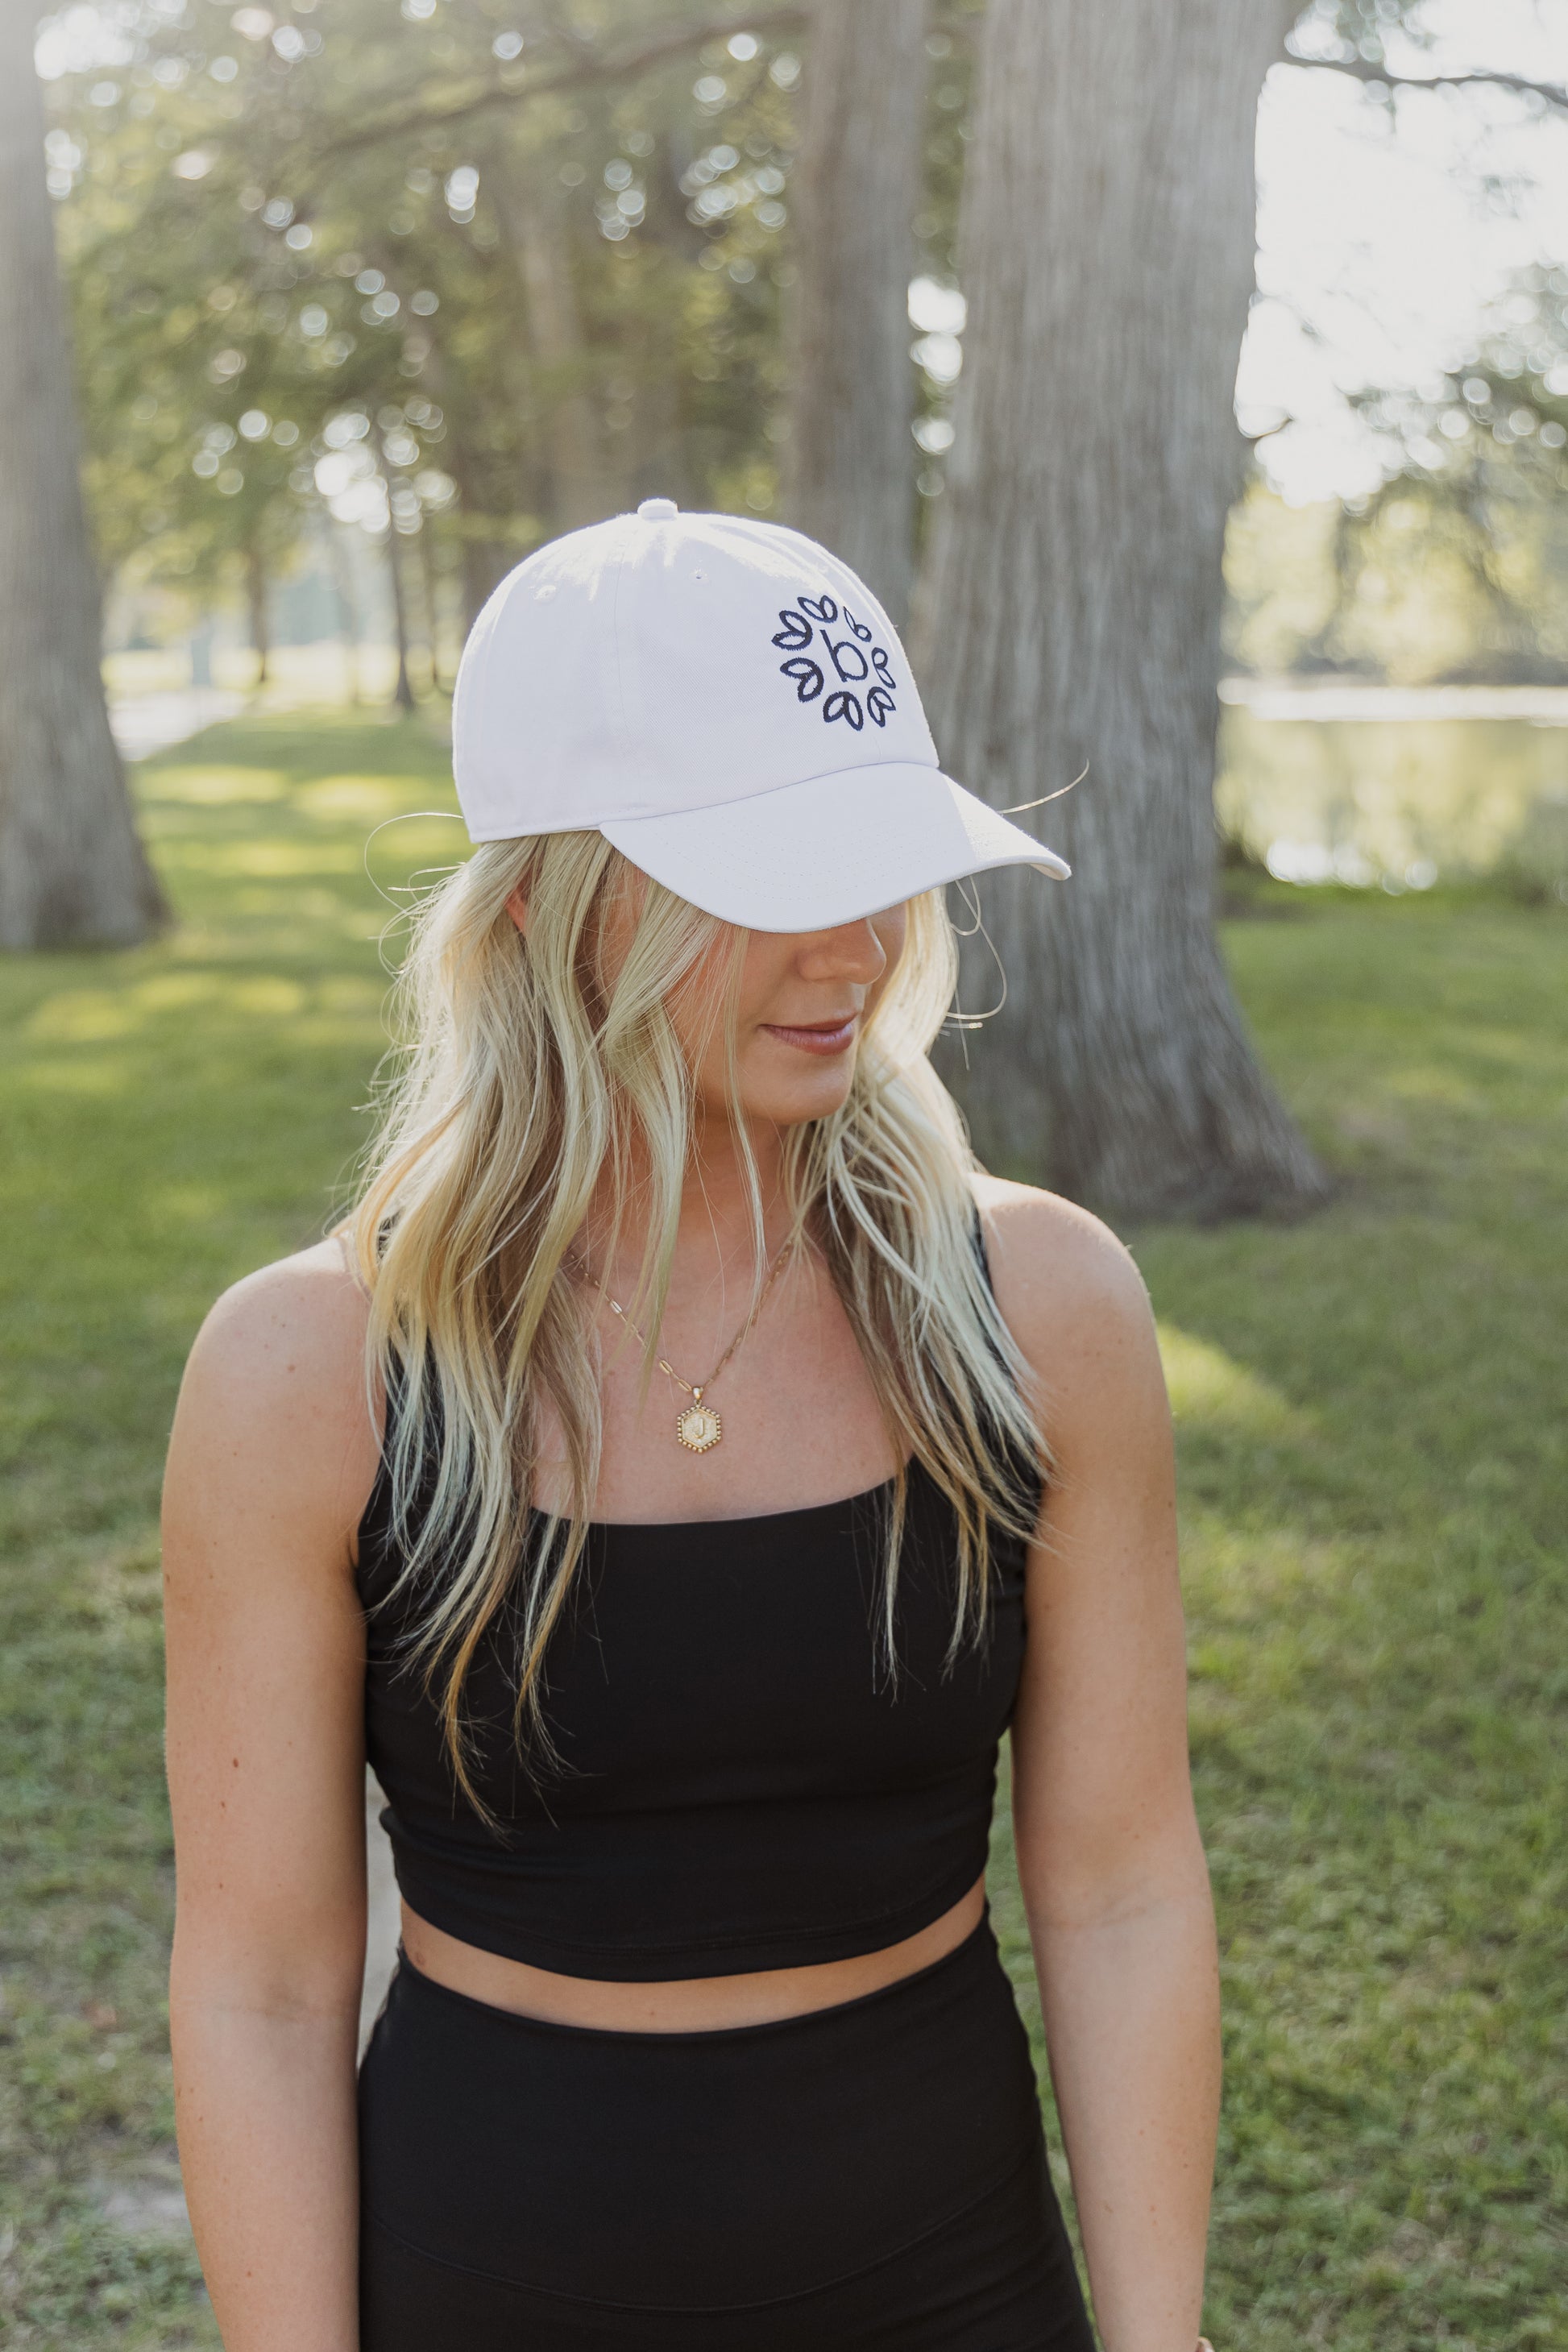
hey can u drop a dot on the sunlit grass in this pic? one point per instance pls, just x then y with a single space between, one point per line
1374 1467
1377 1583
171 1118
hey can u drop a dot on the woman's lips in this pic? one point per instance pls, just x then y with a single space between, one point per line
819 1037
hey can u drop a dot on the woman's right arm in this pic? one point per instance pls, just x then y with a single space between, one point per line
272 1457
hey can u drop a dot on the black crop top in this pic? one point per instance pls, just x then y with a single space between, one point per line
741 1786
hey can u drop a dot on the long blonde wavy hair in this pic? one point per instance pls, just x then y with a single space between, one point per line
532 1074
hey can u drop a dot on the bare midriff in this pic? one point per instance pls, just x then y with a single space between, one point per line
687 2004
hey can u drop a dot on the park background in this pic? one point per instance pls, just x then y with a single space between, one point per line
364 301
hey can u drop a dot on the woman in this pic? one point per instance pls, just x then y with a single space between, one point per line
675 1475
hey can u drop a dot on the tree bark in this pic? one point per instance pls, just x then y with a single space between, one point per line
1071 612
72 871
854 191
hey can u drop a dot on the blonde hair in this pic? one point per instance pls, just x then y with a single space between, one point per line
533 1075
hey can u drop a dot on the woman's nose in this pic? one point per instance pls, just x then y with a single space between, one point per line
852 951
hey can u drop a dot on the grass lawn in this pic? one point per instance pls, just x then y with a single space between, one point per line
1374 1469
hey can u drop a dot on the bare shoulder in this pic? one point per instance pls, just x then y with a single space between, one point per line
297 1327
1054 1265
1070 1293
275 1388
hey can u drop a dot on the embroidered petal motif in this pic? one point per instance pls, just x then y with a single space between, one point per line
808 678
795 634
808 673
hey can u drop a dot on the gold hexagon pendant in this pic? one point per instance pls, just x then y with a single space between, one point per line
698 1428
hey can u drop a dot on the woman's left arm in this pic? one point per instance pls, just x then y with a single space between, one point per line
1112 1870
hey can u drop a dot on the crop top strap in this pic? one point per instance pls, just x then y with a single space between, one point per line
978 1239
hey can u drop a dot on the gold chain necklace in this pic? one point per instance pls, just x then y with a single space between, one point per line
696 1427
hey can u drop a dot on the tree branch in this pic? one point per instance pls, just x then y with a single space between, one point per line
1363 70
614 63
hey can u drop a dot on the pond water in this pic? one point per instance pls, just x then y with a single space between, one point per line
1399 786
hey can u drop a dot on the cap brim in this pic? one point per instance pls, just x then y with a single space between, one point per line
811 855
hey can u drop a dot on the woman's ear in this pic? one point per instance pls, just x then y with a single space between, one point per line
517 907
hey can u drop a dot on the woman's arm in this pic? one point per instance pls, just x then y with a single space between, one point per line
272 1457
1112 1870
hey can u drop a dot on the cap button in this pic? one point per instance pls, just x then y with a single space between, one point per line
657 510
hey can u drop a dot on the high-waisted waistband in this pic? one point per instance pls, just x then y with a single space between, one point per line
696 2171
974 1945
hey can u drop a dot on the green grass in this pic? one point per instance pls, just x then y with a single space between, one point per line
1375 1471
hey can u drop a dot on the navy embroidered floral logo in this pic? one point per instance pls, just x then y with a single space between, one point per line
821 637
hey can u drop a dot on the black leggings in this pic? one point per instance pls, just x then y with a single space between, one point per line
864 2179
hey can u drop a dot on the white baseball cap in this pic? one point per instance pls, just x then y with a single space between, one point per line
730 706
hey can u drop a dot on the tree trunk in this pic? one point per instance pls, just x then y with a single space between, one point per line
535 221
348 604
854 193
72 871
1070 614
201 651
484 558
256 601
403 692
430 589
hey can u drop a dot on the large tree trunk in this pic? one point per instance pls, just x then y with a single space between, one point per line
1070 616
854 191
72 871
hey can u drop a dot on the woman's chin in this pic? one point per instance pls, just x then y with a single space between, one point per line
813 1093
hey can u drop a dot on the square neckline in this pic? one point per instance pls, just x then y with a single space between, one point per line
864 1496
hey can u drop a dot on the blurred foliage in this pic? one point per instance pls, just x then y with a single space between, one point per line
481 269
1478 467
1455 568
480 266
1357 31
1432 581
